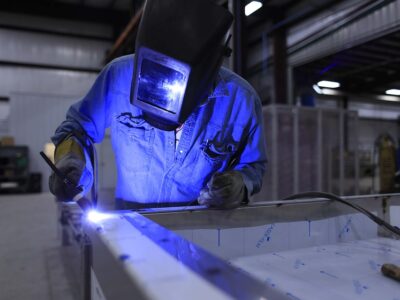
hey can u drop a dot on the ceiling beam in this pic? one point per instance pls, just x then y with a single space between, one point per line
125 36
111 4
387 51
379 83
371 67
55 9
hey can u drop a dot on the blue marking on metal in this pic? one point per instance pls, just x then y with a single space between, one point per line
278 255
309 228
342 254
385 249
373 265
346 228
328 274
123 257
358 287
270 282
298 263
292 296
219 237
266 236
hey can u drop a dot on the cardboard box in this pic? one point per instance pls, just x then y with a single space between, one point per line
7 141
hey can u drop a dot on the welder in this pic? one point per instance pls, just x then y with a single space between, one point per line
184 129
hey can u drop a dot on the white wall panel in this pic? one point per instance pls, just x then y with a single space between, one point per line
27 47
4 117
34 119
40 96
56 25
19 79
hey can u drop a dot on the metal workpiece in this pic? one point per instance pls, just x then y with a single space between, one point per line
261 213
266 250
134 257
306 249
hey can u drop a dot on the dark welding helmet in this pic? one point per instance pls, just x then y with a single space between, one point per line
179 49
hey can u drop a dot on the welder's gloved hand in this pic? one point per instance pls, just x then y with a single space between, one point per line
71 159
224 190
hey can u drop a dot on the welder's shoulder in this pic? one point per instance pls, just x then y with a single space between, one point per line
241 87
121 64
120 72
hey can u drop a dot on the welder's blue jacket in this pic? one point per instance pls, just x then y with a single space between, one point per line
225 133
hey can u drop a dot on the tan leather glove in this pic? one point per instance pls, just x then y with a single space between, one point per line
70 159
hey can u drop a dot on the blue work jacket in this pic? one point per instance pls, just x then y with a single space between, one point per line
225 133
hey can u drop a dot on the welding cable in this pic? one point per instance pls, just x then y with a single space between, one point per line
313 195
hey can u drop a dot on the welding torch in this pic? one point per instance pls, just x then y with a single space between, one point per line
84 203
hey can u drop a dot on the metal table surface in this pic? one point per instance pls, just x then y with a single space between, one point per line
301 249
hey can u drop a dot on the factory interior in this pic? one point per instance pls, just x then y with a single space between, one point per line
323 225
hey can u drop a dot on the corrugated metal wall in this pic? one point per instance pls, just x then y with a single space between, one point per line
33 119
35 80
39 48
41 62
11 20
43 74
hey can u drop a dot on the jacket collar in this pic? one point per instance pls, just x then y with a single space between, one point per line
221 89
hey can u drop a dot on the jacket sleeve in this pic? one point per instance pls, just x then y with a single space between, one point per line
90 116
253 159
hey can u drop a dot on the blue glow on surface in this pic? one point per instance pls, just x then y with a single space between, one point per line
95 216
161 86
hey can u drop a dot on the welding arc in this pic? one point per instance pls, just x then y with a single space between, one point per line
379 221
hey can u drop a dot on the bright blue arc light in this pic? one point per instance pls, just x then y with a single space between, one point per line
95 216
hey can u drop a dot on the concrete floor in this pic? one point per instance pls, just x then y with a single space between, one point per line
30 255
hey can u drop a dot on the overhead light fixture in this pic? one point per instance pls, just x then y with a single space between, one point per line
328 84
394 92
388 98
252 7
317 89
330 92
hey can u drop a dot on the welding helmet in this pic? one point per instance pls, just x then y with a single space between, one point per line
180 46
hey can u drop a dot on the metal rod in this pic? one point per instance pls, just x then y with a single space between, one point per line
56 171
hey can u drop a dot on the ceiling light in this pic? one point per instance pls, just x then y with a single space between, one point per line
394 92
252 7
329 84
330 92
317 89
388 98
